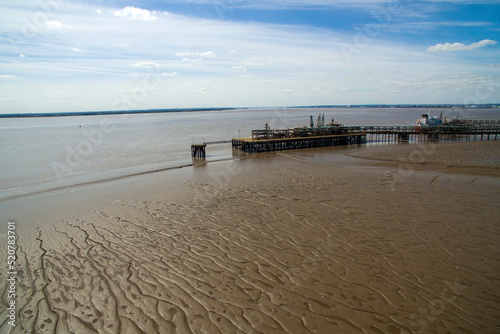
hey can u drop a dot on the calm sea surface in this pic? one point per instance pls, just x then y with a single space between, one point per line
45 153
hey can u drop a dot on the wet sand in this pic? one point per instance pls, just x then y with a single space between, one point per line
472 157
274 244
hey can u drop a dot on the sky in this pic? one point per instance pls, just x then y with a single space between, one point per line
65 56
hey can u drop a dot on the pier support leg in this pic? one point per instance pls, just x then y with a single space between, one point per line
198 151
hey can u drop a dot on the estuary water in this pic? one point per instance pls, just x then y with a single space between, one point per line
303 241
40 154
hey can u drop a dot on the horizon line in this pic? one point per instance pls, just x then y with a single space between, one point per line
171 110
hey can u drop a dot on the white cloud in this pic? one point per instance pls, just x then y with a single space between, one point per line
135 13
251 63
146 64
239 68
448 47
54 24
6 76
190 60
298 58
206 54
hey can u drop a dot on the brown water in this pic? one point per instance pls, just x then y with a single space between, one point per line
45 153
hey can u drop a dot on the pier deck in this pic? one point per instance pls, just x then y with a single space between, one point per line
298 138
430 133
252 145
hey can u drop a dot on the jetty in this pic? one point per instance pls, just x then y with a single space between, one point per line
333 134
279 140
198 150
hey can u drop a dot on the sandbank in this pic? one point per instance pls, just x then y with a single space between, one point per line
267 244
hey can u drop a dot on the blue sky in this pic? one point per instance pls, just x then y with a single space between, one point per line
58 55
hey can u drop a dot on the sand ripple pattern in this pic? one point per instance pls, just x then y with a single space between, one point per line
303 251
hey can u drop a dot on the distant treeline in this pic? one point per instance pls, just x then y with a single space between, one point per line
491 105
153 111
116 112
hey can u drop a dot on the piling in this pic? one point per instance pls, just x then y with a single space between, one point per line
198 150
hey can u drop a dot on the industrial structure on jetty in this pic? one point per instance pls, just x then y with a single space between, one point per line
334 134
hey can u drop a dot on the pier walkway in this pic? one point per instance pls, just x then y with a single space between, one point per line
276 140
433 133
251 145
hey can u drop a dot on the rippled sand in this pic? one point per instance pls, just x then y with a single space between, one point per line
267 245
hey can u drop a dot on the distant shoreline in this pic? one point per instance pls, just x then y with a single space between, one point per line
115 112
158 111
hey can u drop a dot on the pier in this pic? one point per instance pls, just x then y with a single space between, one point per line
198 150
416 134
251 145
268 140
334 134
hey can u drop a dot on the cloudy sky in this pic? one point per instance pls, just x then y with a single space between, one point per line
58 55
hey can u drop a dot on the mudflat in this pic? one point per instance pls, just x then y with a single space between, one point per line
272 244
475 157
